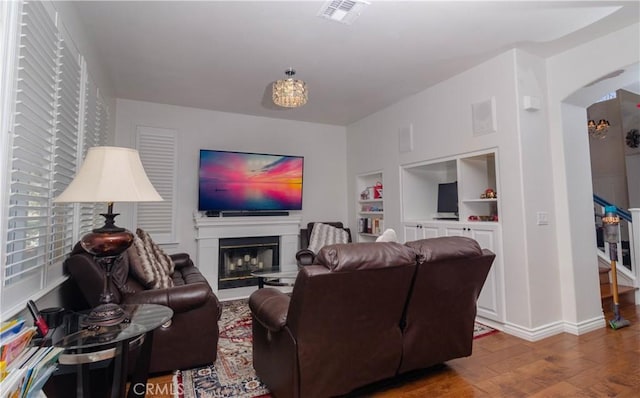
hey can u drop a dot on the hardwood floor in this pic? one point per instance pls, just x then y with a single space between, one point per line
603 363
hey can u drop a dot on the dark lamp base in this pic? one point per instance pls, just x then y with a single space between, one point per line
106 315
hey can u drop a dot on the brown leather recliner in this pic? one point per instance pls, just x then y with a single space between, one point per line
368 312
305 256
340 328
441 310
191 338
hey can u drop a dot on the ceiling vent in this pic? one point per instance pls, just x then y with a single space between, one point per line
344 11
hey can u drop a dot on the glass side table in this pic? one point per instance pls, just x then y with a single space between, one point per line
269 278
85 344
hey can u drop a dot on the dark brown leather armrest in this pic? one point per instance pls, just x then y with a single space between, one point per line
269 307
179 298
181 260
305 257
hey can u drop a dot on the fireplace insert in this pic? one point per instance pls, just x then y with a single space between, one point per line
239 257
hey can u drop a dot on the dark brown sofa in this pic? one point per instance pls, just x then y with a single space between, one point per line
367 312
191 338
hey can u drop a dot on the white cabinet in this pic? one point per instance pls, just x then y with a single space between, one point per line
488 235
415 231
478 210
369 206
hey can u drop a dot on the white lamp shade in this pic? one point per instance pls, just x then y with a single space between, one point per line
110 174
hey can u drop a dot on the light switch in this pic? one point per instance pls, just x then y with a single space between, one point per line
542 218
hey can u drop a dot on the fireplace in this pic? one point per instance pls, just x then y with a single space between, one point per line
211 230
239 257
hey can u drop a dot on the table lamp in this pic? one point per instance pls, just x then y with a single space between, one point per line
109 174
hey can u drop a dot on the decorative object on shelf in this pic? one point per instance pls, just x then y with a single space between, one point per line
473 218
109 174
364 195
633 138
377 190
489 193
599 130
290 92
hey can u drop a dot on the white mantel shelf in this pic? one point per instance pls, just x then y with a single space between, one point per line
209 231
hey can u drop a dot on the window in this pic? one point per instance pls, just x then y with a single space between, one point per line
158 153
42 147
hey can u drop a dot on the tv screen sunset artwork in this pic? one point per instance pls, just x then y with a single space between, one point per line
240 181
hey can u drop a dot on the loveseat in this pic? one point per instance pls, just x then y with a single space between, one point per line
190 339
366 312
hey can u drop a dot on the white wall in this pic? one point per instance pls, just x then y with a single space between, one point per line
323 148
551 280
567 74
442 123
607 155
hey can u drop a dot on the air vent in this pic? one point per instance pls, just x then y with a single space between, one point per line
343 11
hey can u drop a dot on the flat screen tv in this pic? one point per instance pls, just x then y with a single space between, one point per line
448 198
241 181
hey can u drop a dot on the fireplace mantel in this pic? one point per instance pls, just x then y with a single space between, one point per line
209 231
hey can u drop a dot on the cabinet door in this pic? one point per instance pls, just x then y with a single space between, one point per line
420 231
413 232
489 300
454 230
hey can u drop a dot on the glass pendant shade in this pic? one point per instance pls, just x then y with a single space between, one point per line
290 92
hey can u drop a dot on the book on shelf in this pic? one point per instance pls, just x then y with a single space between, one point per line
370 225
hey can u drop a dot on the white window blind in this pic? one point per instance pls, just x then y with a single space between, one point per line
33 145
158 153
93 134
45 146
66 146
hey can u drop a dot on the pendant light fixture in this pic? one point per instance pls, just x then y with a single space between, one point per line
290 92
599 130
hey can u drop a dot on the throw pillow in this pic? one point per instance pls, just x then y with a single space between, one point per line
325 234
148 263
389 235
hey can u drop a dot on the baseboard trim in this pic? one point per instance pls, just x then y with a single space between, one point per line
534 334
553 328
586 326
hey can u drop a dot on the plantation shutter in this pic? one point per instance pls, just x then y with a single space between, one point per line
66 146
44 135
95 122
158 153
33 151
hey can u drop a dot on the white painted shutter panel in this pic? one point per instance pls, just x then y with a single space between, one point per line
158 152
90 212
66 146
32 152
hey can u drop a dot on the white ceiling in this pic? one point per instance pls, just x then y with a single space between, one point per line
224 55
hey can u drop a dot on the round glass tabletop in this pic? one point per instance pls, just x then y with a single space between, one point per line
141 318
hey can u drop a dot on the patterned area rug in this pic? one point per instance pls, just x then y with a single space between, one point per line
232 375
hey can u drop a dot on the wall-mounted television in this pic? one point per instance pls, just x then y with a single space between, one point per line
243 181
448 198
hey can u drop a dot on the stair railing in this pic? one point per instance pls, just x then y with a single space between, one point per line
628 231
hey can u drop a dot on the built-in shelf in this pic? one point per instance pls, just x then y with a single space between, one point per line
369 206
474 174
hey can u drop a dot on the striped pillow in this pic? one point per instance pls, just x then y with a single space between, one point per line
148 263
325 234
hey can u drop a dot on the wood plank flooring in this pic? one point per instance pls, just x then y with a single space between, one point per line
603 363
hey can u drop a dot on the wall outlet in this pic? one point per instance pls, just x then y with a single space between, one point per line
542 218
